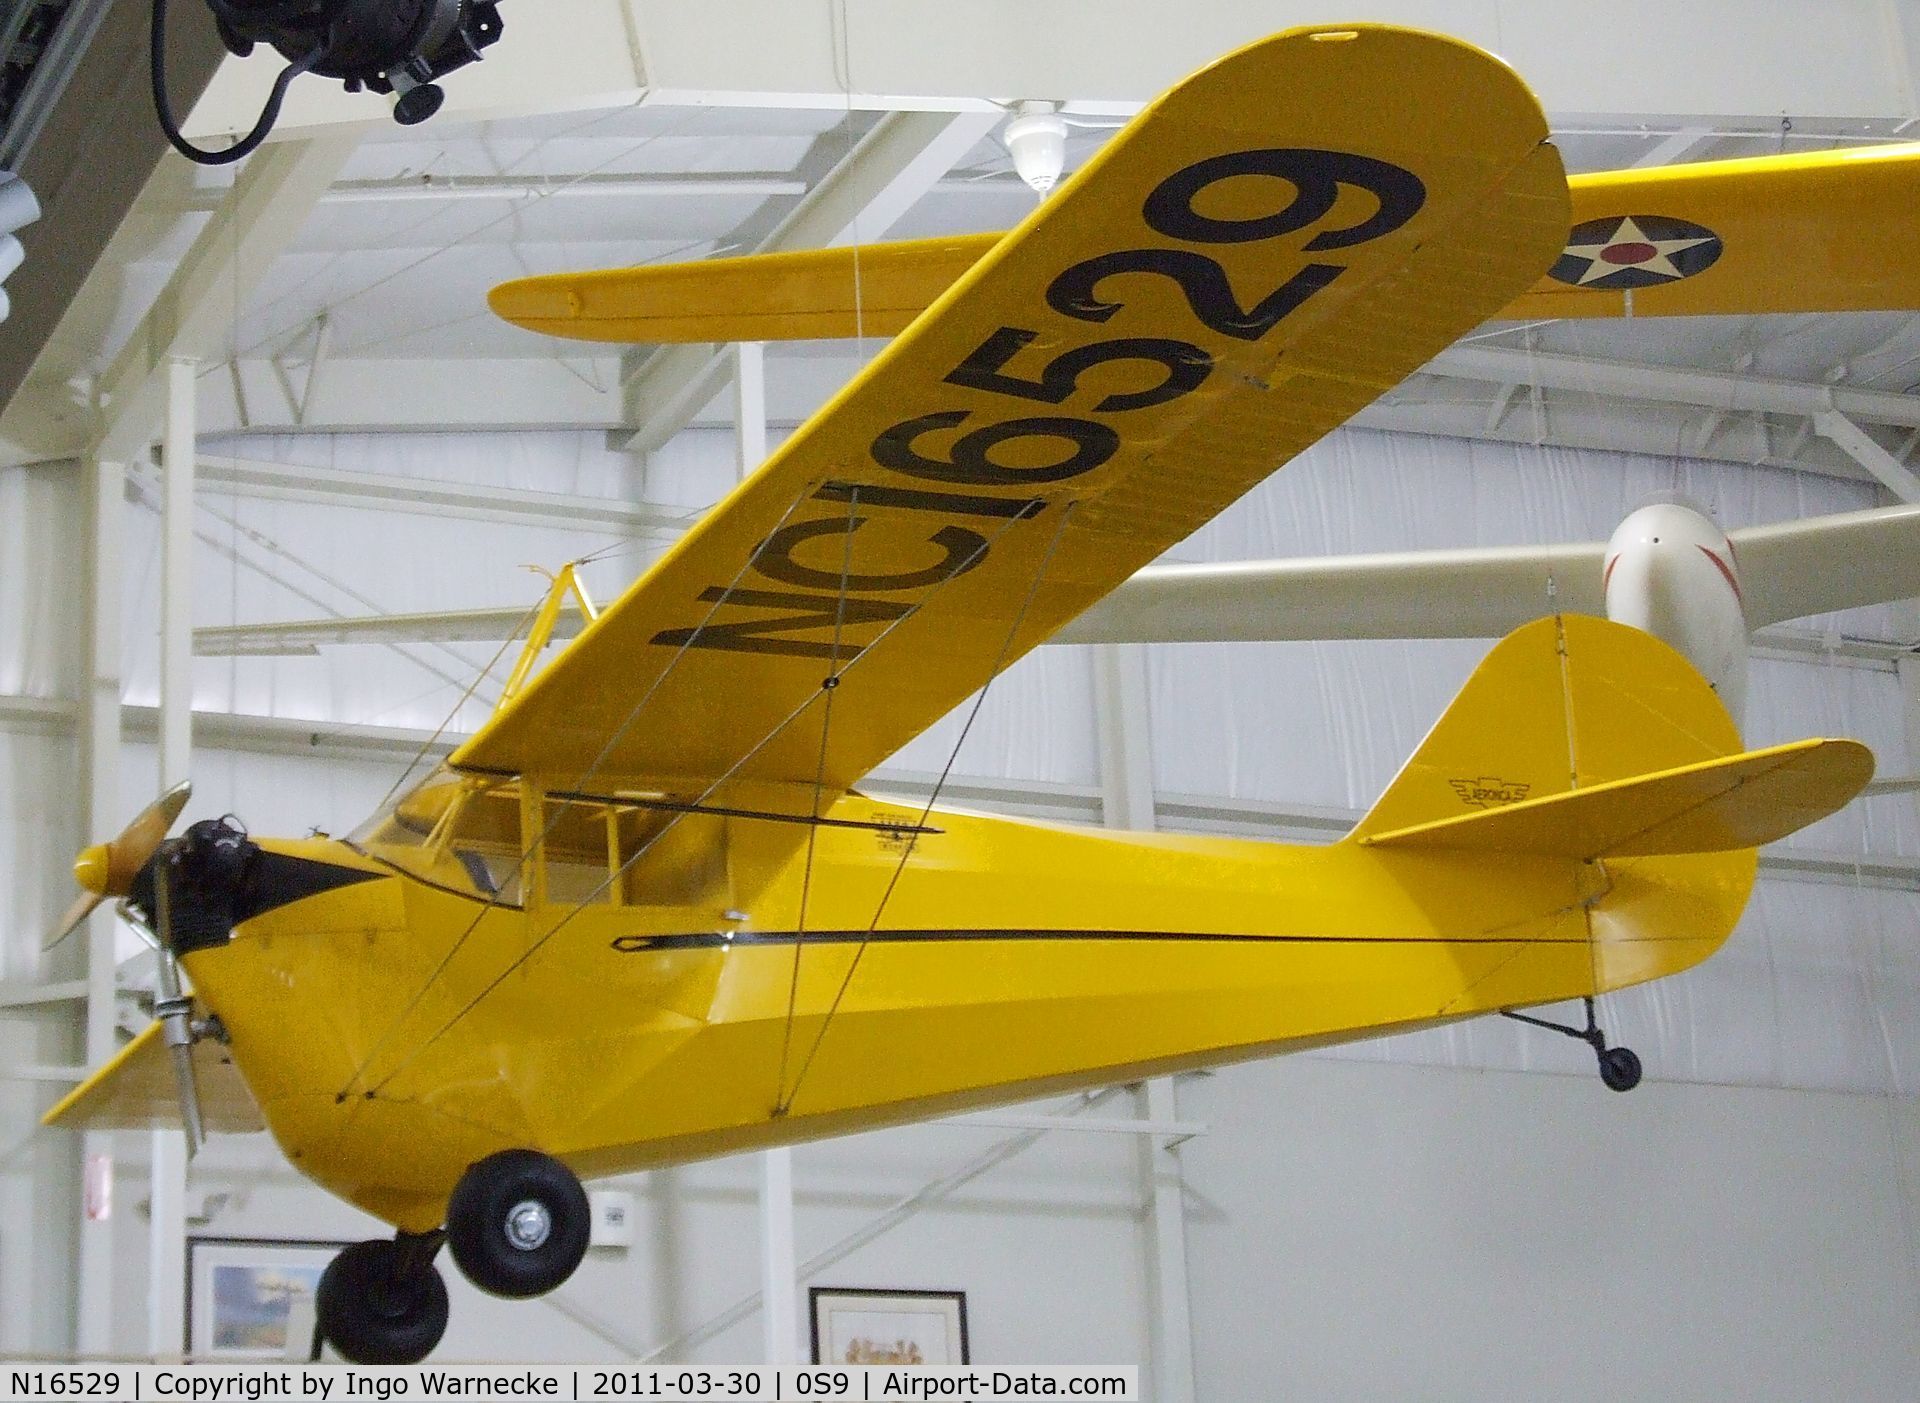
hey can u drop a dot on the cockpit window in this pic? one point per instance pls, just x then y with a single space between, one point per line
455 830
474 833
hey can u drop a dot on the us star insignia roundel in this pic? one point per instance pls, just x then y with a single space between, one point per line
1635 250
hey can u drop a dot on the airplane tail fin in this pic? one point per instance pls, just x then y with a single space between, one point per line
1589 741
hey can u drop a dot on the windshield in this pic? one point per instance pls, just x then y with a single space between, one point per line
469 833
460 831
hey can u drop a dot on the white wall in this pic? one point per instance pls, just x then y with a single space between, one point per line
1363 1233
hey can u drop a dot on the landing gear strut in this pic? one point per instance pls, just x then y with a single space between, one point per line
1619 1067
383 1302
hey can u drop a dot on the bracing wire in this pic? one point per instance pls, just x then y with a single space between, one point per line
619 733
474 686
958 569
829 685
785 1104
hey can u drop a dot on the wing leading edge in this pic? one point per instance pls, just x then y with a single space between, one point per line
1264 251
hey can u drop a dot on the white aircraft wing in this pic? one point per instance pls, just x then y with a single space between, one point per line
1483 593
1825 563
1788 571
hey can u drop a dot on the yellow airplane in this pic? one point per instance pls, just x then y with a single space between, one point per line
646 914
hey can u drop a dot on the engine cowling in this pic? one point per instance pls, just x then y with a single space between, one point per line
1672 572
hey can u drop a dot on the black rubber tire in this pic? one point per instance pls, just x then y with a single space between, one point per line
1620 1069
372 1319
477 1217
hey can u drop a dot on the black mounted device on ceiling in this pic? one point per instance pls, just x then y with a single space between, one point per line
401 47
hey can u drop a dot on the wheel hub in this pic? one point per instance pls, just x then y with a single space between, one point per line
529 1225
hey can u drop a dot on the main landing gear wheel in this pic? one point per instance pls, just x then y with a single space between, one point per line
383 1302
1619 1066
518 1223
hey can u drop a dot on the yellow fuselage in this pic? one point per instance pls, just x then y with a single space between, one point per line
1012 959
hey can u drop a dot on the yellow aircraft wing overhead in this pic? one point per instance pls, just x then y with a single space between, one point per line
1820 232
1264 251
136 1091
870 290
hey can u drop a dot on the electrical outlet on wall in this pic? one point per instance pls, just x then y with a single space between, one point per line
612 1218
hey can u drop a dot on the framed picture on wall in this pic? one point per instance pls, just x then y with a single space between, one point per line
242 1291
854 1325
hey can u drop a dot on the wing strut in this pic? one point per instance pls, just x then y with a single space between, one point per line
785 1103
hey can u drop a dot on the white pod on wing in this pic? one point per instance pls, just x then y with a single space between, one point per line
1671 572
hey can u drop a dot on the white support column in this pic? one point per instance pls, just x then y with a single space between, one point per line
1167 1254
749 406
779 1264
100 754
1908 668
779 1269
1121 705
166 1317
180 451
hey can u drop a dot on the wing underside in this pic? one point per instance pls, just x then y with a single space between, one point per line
137 1091
1260 254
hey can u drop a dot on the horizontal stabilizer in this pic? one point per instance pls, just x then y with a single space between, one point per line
1741 801
137 1091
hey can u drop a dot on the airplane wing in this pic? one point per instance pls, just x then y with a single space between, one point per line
1795 568
1819 232
1813 232
137 1091
1484 593
1265 250
801 295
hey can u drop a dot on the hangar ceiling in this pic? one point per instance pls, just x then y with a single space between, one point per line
605 134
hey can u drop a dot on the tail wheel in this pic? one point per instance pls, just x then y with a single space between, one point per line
1620 1069
372 1313
518 1223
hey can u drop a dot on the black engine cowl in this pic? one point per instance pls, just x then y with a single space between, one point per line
208 871
218 877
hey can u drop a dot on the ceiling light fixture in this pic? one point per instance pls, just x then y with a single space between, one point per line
1037 140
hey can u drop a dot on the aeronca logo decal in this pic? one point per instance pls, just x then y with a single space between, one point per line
1488 792
1635 250
942 487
